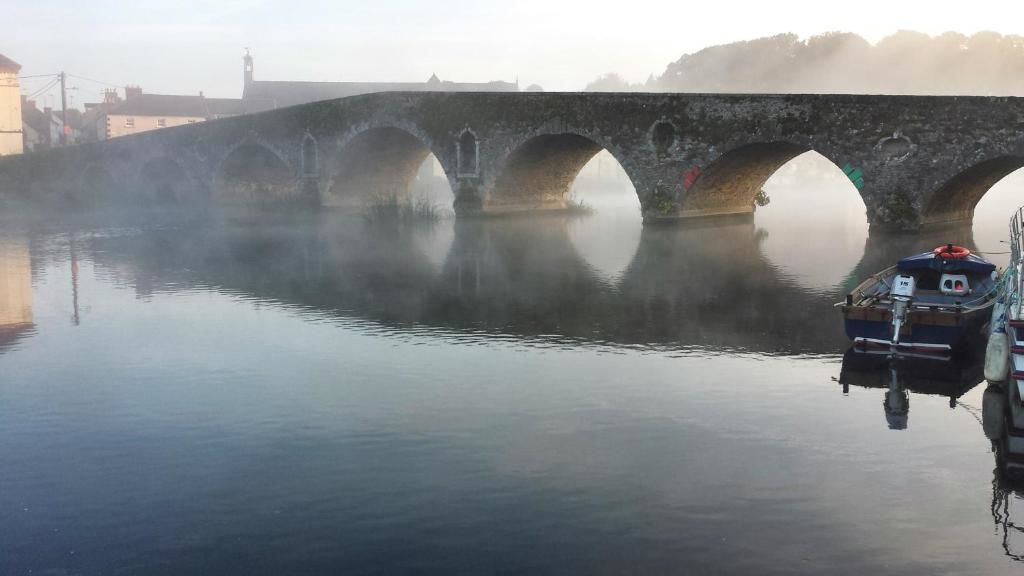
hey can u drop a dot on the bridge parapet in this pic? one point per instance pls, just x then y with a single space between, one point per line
915 160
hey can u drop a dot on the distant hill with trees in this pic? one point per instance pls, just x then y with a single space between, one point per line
906 62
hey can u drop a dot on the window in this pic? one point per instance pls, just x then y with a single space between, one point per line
129 122
162 122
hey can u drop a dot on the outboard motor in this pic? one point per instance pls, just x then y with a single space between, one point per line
902 293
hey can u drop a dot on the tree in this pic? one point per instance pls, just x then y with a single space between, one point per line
906 62
610 82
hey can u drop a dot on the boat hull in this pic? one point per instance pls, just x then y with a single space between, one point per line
924 330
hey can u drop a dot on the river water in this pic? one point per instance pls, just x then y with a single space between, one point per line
335 394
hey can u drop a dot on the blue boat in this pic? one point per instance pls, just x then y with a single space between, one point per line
929 302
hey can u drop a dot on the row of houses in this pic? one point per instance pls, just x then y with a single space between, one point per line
26 127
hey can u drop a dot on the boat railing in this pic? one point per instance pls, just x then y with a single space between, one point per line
1014 279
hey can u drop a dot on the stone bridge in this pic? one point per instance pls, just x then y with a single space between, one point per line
915 160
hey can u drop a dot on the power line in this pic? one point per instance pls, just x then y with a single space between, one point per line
49 85
45 88
57 75
37 79
96 81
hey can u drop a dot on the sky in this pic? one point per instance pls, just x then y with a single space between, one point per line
188 46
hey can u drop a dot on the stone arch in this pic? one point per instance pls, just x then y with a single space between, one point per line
96 186
164 182
732 182
252 173
955 200
310 157
539 172
376 164
468 152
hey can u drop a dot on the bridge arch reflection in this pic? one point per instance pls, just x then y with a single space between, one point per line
814 222
704 287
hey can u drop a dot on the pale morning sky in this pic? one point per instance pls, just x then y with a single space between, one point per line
184 46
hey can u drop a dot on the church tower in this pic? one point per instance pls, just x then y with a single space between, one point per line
247 69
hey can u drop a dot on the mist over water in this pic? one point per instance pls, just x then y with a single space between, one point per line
311 394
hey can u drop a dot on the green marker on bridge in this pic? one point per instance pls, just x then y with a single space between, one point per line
856 175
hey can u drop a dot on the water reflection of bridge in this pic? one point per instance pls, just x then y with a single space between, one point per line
683 287
705 286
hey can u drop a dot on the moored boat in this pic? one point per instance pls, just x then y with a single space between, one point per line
928 302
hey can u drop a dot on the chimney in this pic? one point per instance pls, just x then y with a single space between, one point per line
131 92
110 96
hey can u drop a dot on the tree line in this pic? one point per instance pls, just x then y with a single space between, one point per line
986 63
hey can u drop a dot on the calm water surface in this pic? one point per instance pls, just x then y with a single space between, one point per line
330 395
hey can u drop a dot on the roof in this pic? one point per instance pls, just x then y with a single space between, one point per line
265 95
35 118
177 105
8 65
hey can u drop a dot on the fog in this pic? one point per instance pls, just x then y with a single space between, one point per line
372 326
188 46
907 62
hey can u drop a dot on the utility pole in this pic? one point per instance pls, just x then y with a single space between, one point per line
63 110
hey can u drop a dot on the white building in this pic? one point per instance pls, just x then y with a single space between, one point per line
11 134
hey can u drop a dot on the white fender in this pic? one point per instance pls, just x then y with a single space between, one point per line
997 352
993 410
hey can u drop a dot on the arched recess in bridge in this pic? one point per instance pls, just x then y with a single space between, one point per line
810 217
385 165
96 187
540 173
731 183
983 197
253 174
163 182
956 200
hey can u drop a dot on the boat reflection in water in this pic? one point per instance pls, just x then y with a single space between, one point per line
901 373
1003 419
